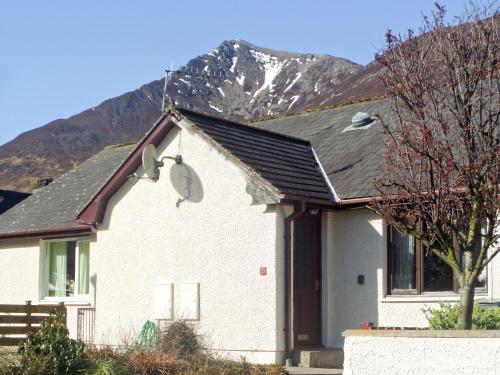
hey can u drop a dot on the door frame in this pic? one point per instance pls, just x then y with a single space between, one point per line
300 210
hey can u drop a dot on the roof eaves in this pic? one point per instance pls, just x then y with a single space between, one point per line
93 211
243 125
72 231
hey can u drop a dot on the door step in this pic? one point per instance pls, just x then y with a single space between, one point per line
313 371
319 358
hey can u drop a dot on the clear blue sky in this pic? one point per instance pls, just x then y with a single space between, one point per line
60 57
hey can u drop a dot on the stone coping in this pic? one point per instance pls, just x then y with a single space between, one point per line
427 333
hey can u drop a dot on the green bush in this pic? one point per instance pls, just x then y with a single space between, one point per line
105 361
446 317
51 351
179 351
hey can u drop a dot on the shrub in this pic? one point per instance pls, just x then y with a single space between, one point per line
446 317
154 362
51 351
180 339
105 361
221 367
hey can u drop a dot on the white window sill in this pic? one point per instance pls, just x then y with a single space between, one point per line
75 301
420 298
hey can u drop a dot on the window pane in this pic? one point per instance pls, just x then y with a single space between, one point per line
61 272
438 276
70 289
57 269
403 261
481 279
83 272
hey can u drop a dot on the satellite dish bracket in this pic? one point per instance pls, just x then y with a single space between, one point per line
151 165
177 158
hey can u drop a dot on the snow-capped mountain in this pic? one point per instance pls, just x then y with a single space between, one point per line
240 80
236 80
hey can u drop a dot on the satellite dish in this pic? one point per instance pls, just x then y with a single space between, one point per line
186 183
152 166
149 163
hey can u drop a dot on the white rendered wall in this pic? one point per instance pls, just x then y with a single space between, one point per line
355 241
355 244
220 242
19 272
21 277
465 355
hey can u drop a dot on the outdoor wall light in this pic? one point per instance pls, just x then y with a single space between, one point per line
361 279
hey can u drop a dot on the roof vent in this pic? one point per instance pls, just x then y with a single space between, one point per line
360 120
43 182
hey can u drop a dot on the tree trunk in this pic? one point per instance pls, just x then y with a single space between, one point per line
466 305
466 292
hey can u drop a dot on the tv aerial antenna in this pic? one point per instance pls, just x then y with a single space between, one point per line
168 75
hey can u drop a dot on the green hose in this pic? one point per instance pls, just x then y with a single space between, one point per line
148 334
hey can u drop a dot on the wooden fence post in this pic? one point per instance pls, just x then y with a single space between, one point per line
28 316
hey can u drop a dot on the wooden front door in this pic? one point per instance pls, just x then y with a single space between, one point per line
307 280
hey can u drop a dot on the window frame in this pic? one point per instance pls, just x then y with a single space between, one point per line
45 272
419 270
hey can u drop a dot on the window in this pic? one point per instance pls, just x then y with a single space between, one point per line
67 268
411 271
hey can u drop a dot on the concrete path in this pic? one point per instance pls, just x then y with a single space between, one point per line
313 371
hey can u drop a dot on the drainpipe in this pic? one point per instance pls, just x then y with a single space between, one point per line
298 210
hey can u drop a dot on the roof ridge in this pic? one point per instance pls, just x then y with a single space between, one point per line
243 125
318 109
117 145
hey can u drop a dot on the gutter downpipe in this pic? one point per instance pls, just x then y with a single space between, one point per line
298 210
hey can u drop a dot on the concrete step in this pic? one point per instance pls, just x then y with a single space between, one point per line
313 371
319 358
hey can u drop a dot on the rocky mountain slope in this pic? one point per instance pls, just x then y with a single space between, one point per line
237 80
242 81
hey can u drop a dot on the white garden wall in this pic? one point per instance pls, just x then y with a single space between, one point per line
221 241
422 352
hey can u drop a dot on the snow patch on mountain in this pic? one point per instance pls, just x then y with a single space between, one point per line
293 82
235 60
294 99
214 107
213 52
241 79
272 67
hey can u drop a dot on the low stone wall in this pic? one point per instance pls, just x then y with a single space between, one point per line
388 352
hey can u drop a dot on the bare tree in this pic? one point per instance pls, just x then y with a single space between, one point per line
442 177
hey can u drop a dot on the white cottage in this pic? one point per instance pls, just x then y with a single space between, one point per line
259 236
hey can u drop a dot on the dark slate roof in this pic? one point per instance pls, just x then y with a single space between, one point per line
288 163
9 198
351 159
56 205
